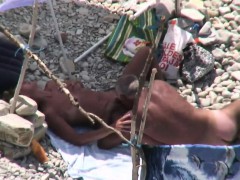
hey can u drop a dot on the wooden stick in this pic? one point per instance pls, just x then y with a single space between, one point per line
145 107
59 37
25 61
142 79
178 7
142 125
59 83
34 23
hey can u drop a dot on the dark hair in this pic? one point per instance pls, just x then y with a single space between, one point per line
127 85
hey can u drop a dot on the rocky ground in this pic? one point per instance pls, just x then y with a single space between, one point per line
84 26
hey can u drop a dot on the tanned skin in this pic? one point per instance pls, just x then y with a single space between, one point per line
170 119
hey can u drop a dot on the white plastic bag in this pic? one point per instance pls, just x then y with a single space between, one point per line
174 42
132 45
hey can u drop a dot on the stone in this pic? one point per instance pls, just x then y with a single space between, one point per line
219 99
33 66
213 97
229 16
36 119
236 75
226 82
40 132
205 102
4 108
206 29
230 87
218 53
226 94
212 13
192 14
187 92
64 37
225 76
67 65
219 89
39 43
236 2
203 94
25 106
25 29
224 36
235 96
14 152
224 10
219 71
217 106
16 130
217 80
195 4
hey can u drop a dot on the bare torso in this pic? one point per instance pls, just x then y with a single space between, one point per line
98 103
172 120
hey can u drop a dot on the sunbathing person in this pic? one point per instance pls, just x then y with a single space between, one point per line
170 119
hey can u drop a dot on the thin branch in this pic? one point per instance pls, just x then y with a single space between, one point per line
25 61
59 37
142 79
34 23
58 82
145 107
19 84
142 126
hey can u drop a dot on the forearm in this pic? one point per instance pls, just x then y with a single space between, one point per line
91 136
111 141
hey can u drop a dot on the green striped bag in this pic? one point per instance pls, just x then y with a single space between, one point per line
144 27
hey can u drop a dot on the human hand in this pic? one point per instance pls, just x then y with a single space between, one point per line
123 124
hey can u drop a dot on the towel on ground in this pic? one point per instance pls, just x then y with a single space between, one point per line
92 163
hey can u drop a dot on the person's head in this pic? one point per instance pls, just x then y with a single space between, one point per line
126 88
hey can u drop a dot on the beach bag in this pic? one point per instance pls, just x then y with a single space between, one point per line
144 28
197 63
173 44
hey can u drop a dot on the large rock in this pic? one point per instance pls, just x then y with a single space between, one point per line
25 106
16 130
12 151
40 132
4 108
36 119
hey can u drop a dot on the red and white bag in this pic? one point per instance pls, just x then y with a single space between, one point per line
174 42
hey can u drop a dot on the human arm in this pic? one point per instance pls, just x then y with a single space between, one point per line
123 124
62 129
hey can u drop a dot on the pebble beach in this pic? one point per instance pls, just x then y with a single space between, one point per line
82 25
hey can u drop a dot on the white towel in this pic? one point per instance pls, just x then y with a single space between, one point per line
93 163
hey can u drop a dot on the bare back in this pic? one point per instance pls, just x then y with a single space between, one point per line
171 119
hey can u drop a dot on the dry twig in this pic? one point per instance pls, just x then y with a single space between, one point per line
142 79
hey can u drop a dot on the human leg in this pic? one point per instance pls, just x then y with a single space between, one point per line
136 65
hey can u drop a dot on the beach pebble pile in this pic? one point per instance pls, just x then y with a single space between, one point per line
82 25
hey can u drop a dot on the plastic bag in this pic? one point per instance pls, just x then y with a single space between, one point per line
132 45
174 42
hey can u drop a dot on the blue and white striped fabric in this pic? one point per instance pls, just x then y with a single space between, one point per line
12 4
